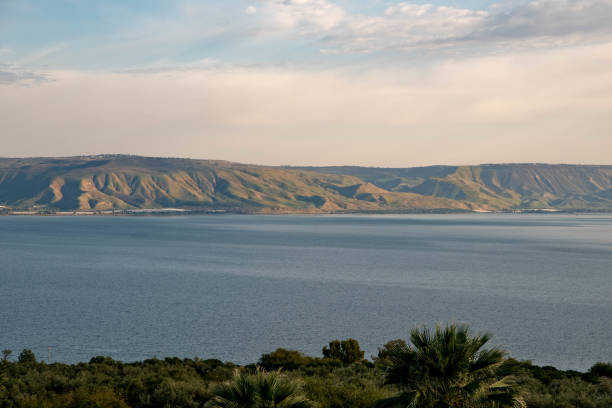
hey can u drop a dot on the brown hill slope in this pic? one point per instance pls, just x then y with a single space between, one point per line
498 186
124 182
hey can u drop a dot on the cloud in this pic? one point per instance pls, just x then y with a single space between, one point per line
407 26
15 75
553 17
470 110
403 27
305 17
266 30
171 67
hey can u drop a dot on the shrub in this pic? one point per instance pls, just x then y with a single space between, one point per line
285 359
26 357
347 351
601 370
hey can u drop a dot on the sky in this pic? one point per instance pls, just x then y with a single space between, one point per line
309 82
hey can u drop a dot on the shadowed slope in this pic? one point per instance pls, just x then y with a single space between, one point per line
114 181
124 182
498 186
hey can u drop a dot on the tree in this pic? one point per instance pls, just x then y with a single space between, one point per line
347 351
601 370
259 390
285 359
6 354
390 349
26 356
448 368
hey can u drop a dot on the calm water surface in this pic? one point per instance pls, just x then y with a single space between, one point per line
233 287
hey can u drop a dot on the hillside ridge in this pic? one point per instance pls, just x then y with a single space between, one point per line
104 182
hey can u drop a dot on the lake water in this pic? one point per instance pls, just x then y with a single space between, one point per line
233 287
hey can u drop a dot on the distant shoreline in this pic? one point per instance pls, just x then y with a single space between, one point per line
155 212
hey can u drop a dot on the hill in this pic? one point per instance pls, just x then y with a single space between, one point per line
107 182
126 182
498 186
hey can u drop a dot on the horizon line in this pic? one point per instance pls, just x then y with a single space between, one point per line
128 155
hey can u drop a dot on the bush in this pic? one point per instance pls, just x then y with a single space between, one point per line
601 370
285 359
347 351
26 357
331 382
356 387
391 349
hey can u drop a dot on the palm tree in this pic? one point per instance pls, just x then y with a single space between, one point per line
448 368
259 390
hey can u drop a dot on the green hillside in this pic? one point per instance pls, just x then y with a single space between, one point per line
131 182
126 182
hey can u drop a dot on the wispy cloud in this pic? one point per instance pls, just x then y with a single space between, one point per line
304 16
408 26
250 32
11 74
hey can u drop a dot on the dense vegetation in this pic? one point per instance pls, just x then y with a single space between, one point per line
447 367
102 183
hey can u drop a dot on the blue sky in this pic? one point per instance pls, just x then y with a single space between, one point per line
68 33
273 81
129 35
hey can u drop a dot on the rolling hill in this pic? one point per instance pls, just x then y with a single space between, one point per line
498 186
105 182
126 182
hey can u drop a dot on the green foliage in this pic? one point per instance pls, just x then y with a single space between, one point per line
189 383
545 374
259 390
26 357
601 370
346 351
356 386
391 349
567 393
104 382
6 353
285 359
448 368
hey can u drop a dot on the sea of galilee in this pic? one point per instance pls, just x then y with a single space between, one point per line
233 287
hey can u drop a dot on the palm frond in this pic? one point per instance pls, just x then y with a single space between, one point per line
449 366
